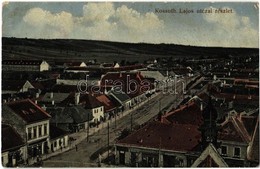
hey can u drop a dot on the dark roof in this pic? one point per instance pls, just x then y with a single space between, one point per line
175 137
64 88
75 114
73 63
22 62
121 96
90 101
250 123
28 110
12 85
56 132
10 138
77 68
57 97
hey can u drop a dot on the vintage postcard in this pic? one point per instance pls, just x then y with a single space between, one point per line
130 84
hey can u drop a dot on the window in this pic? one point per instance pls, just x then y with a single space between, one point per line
34 132
45 129
29 133
224 150
236 152
40 131
55 144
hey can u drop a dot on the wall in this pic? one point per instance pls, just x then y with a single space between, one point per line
37 125
44 66
97 113
231 147
63 140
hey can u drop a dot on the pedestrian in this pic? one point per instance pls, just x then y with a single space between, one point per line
76 147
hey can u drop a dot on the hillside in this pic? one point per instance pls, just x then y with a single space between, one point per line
104 51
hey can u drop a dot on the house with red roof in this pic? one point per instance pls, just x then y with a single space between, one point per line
31 122
237 135
110 107
160 145
131 83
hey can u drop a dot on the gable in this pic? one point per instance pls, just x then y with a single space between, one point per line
210 158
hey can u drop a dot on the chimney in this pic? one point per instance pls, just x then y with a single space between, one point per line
77 96
37 95
120 75
35 101
51 96
201 106
52 102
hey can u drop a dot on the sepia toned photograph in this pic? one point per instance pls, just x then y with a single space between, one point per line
129 84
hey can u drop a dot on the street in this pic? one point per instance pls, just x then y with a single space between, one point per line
142 114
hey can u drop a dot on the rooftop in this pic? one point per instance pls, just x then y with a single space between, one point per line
10 138
28 110
175 137
186 114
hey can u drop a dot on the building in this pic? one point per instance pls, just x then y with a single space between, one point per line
31 122
90 102
122 99
109 106
210 157
131 83
13 150
176 146
236 136
25 65
58 138
70 118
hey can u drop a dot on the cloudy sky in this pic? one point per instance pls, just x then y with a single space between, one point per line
135 22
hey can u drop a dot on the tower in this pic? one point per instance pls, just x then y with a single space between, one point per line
209 129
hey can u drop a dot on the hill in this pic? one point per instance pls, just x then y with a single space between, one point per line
104 51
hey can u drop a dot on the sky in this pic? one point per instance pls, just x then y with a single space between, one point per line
135 22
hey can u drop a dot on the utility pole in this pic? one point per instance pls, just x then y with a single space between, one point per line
115 119
88 128
131 122
159 105
107 139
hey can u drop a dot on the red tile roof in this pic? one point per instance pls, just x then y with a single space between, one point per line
175 137
107 103
186 114
10 138
28 111
233 130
